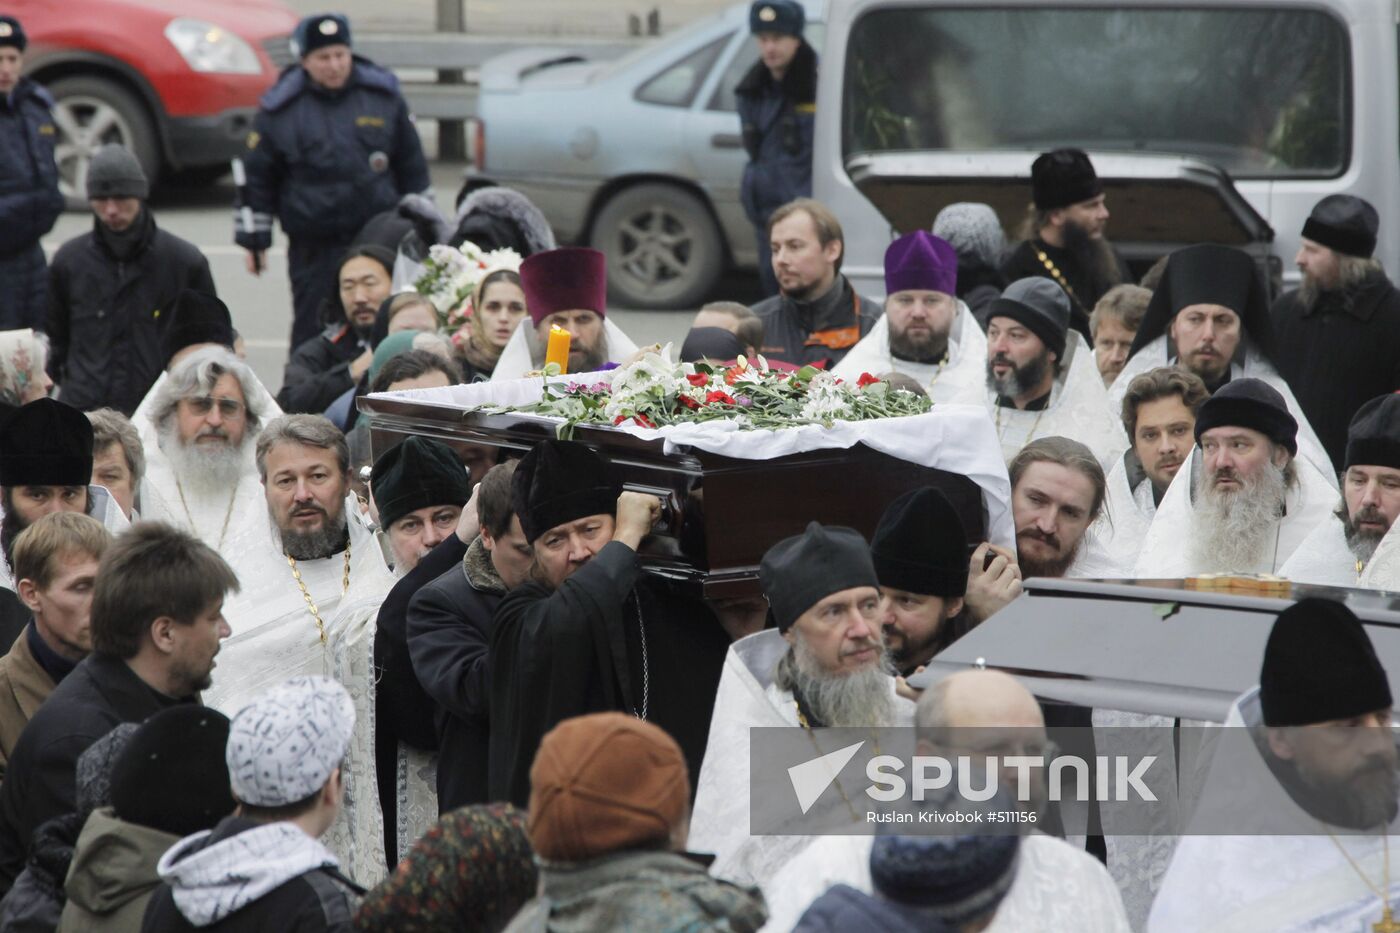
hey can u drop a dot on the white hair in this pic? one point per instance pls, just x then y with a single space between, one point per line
197 374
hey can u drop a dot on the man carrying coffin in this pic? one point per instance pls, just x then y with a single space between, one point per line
824 666
589 632
926 332
1322 759
1210 316
1244 500
1340 547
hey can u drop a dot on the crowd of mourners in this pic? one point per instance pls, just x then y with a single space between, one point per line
261 672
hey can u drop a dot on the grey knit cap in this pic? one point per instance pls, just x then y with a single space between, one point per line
115 173
284 745
94 771
974 230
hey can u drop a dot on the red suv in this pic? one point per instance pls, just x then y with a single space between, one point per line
176 81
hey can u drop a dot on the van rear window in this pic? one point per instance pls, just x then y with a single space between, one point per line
1263 93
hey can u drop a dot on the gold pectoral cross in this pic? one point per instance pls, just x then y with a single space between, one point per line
1386 924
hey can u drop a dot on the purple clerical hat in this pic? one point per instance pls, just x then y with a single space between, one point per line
921 261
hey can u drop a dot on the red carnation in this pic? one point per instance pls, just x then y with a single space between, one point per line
689 402
717 396
866 380
698 379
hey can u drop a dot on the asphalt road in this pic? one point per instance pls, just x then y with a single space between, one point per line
261 306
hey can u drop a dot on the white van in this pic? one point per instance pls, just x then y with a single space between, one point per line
1223 120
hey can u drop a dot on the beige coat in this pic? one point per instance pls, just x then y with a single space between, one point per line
24 685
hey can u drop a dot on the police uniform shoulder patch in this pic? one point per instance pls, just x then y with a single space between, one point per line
254 137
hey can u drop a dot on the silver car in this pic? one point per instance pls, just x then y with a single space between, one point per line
639 157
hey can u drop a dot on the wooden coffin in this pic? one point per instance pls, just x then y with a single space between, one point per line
720 514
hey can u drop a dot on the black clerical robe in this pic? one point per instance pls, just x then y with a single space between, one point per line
578 650
1084 293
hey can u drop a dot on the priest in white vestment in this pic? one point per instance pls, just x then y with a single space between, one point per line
1210 315
1314 777
200 475
45 466
565 288
1339 549
926 332
1049 869
1243 502
1159 416
824 666
1042 380
307 606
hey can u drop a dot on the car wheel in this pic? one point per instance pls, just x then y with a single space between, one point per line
89 113
663 248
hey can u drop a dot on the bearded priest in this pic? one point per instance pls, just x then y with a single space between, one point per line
308 606
824 666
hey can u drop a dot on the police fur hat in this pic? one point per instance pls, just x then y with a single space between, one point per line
318 31
781 16
12 33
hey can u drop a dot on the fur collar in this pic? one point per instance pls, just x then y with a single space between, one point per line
481 573
799 83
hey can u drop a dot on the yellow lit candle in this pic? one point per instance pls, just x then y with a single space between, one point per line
558 350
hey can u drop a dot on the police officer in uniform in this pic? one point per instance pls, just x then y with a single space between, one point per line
333 145
29 198
777 104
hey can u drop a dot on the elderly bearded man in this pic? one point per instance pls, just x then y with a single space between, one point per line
1245 500
1313 780
566 288
824 665
1159 414
926 332
206 415
589 632
308 606
1340 548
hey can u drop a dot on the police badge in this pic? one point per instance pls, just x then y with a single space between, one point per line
378 160
329 27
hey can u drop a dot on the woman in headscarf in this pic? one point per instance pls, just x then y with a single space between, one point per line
23 356
497 309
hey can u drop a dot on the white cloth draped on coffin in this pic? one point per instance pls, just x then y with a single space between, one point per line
1078 409
1284 884
1255 366
275 637
522 350
1166 549
955 438
963 378
1057 889
748 698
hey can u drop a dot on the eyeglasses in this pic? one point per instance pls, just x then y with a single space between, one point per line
203 404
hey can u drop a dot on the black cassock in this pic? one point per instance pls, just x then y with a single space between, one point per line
578 650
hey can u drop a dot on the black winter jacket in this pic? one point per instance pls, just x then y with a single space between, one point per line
319 371
106 317
102 692
449 633
777 120
29 198
325 162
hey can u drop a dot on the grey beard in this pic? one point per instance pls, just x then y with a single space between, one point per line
1233 532
928 350
200 470
1362 544
330 539
860 698
1021 379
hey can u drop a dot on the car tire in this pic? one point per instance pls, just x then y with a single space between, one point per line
90 111
663 247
